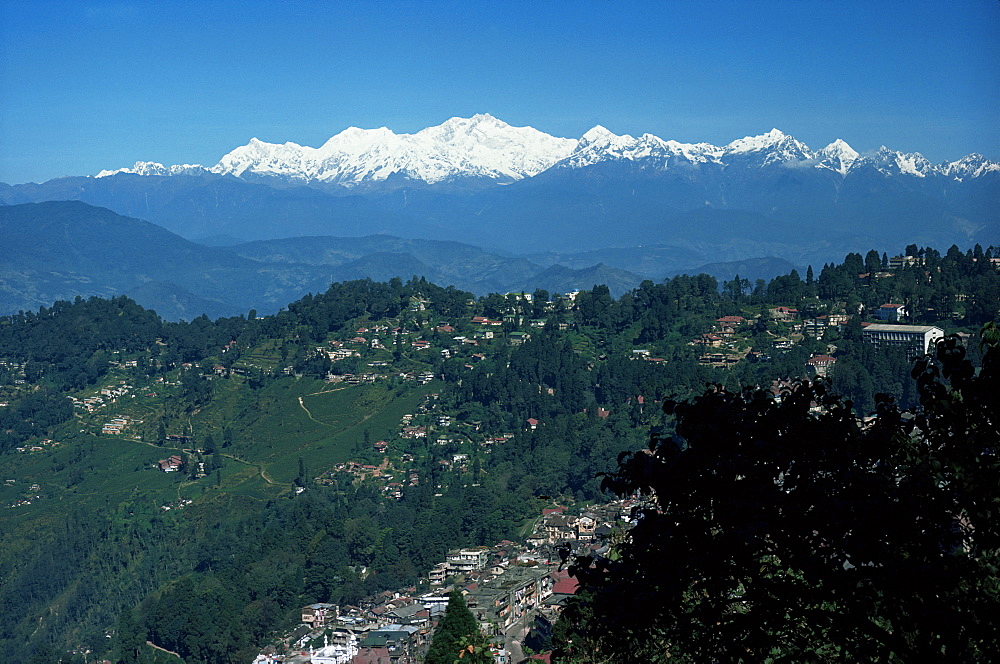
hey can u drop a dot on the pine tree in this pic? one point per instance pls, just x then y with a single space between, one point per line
457 625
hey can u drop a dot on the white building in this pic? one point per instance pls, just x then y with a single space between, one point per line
341 652
891 312
917 339
468 560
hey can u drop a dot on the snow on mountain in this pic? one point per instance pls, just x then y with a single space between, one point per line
837 156
257 156
970 166
154 168
599 145
772 147
484 147
480 146
891 163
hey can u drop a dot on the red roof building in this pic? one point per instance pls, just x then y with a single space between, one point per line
821 363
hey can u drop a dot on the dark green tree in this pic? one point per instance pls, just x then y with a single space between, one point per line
778 531
300 479
873 262
131 637
457 629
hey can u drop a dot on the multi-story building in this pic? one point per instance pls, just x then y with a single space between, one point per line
438 574
917 339
317 615
821 364
507 599
468 560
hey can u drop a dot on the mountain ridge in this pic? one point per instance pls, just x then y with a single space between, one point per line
485 147
62 249
517 190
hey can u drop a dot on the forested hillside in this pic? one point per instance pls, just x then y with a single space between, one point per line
195 483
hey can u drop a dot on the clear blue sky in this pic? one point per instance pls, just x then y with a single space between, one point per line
86 85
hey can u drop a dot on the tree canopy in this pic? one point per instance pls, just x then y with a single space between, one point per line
453 632
782 528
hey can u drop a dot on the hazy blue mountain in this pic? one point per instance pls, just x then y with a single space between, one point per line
752 269
766 195
173 302
449 263
653 261
59 250
561 279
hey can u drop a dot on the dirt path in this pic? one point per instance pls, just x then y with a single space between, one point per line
332 389
263 474
302 404
169 652
260 467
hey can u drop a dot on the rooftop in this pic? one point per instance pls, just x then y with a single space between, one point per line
885 327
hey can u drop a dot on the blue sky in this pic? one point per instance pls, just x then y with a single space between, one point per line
92 85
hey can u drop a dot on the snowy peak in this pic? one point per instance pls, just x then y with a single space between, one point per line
771 148
154 168
970 166
837 156
892 163
486 148
600 145
452 129
258 156
600 135
481 146
757 143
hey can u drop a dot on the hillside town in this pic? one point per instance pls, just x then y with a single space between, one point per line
515 591
361 408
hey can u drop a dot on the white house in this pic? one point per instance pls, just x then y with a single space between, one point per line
892 313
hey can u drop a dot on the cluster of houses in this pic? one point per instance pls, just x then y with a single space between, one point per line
105 395
384 335
39 446
818 327
722 336
16 370
176 505
117 425
505 586
25 500
916 339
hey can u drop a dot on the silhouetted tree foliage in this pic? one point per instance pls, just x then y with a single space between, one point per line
781 529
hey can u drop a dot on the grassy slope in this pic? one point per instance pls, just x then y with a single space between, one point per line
114 476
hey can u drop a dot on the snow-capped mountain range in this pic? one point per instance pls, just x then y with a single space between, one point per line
483 147
481 181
